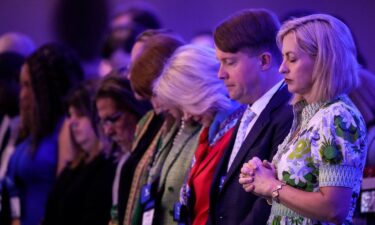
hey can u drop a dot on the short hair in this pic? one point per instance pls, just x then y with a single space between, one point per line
54 70
118 89
189 81
250 30
143 18
142 15
112 43
148 66
330 43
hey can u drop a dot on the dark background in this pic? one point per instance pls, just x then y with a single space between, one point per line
187 17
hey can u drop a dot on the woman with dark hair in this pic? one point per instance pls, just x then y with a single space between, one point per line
75 198
120 116
45 80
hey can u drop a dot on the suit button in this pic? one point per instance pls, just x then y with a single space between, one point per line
170 189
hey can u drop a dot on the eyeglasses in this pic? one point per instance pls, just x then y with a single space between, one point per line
111 120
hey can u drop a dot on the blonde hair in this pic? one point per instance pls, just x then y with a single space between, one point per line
189 81
329 42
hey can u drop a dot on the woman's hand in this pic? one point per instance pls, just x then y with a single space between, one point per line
258 177
66 147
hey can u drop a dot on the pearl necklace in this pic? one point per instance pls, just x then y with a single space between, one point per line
179 133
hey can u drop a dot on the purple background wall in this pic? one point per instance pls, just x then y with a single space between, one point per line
34 17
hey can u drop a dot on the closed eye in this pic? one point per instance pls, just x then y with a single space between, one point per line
229 62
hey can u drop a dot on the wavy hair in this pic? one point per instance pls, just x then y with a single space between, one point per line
54 69
189 81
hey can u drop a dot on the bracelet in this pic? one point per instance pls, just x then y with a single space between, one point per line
275 193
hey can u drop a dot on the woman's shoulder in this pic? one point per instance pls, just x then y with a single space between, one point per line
342 108
339 122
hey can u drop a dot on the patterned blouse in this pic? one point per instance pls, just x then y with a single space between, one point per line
329 149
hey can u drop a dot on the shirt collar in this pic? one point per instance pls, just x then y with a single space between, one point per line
258 106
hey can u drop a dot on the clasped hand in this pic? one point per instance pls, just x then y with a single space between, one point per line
258 177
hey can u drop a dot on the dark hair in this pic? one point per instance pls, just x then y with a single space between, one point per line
82 99
54 70
252 30
142 16
142 19
124 42
148 66
10 67
118 89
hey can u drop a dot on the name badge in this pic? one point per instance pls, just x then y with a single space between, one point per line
221 183
148 213
145 194
148 217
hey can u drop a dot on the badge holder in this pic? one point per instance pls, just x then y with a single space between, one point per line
180 213
148 194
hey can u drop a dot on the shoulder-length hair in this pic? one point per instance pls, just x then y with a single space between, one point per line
330 43
189 81
148 66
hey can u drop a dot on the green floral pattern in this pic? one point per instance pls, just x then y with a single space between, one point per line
331 135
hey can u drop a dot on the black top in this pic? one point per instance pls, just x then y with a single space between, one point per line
82 195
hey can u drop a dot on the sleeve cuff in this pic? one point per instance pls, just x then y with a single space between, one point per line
337 175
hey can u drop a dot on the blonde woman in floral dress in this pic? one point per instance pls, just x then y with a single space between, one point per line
315 176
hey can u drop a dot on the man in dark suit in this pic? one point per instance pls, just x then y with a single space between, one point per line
246 47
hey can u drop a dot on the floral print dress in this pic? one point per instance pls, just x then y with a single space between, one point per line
328 149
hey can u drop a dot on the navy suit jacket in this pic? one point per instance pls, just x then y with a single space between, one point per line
232 205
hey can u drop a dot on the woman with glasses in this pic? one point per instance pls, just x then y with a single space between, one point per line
120 116
162 168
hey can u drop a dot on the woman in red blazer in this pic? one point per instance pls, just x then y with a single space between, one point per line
189 81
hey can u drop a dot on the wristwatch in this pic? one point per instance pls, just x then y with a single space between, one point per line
275 193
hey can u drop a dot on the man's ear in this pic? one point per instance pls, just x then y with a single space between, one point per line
265 60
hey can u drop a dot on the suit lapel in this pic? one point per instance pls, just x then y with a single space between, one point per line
254 133
279 98
222 166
